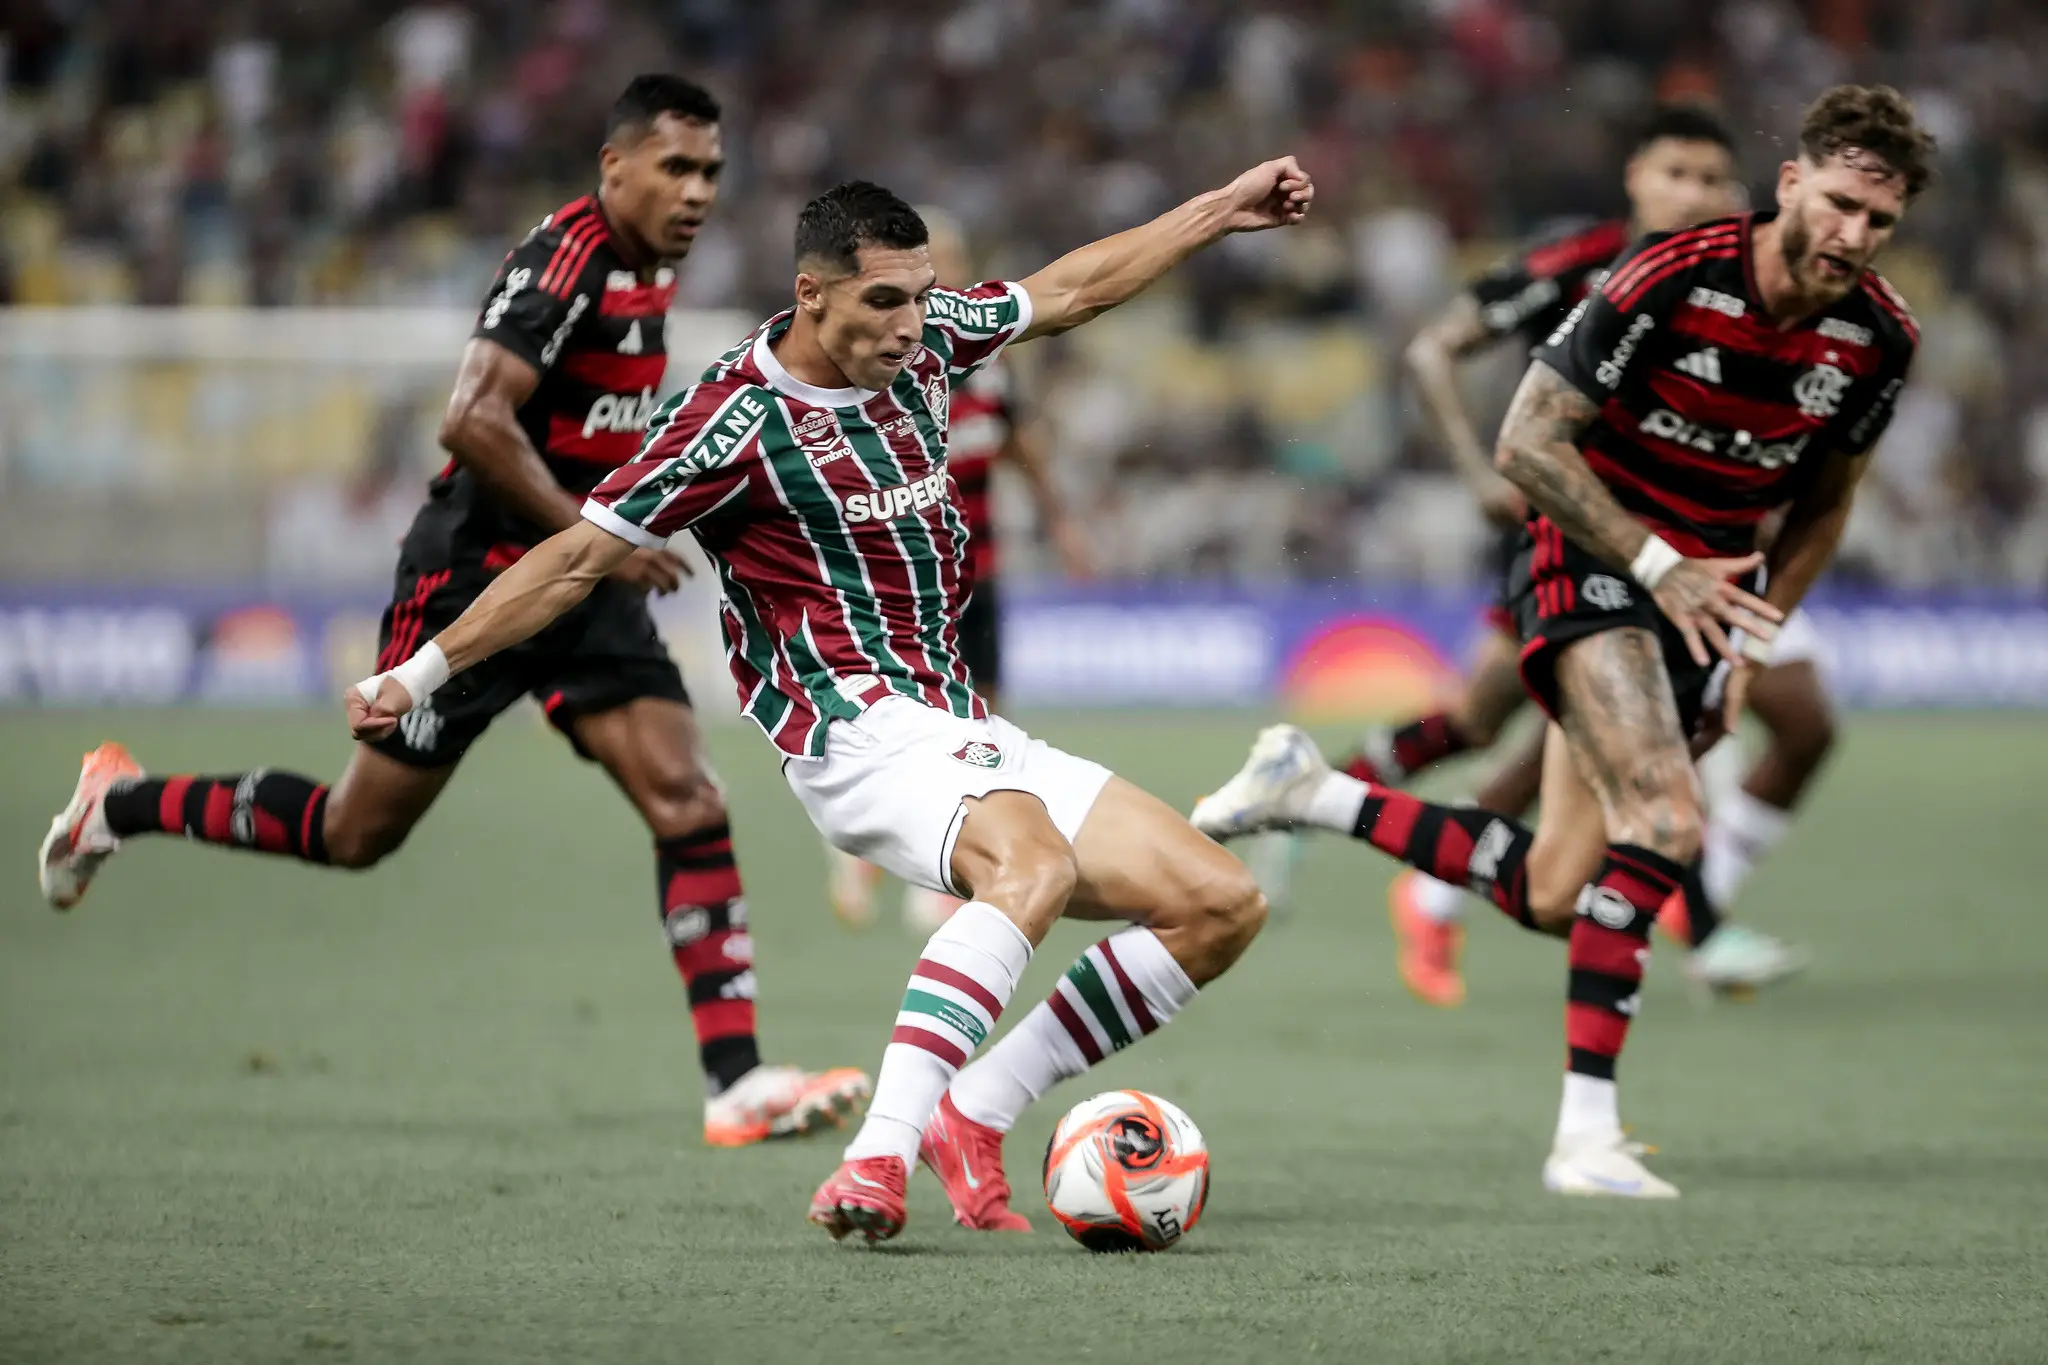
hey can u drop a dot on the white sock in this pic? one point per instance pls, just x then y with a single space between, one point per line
1118 991
1722 770
1439 901
1740 832
1591 1109
1336 803
967 973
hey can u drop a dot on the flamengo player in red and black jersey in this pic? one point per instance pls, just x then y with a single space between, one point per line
1648 473
554 391
989 426
810 464
1682 172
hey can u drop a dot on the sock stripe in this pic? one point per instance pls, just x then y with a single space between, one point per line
925 1040
219 809
719 1019
171 806
1453 854
1590 1028
1070 1019
1615 952
709 886
962 982
1095 995
1141 1014
1611 991
316 805
961 1020
1585 1062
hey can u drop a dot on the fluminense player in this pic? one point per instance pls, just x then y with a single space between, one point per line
1647 480
810 463
556 385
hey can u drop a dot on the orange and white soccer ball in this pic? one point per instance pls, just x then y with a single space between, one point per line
1126 1171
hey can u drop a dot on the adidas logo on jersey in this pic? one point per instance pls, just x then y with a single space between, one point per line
630 344
1704 366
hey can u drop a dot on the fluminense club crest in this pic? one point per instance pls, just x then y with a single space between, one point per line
979 753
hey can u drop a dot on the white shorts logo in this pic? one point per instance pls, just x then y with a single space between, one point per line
1604 905
421 727
1605 592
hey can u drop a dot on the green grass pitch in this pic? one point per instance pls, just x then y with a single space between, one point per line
448 1110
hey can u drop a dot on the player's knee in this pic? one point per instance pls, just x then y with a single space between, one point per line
1225 911
355 845
679 801
1667 823
1030 880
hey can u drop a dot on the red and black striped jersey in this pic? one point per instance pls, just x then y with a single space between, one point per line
983 417
1531 291
1711 413
567 303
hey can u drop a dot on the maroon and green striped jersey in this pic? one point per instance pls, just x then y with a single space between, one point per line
830 516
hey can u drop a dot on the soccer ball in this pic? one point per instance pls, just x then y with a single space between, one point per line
1126 1171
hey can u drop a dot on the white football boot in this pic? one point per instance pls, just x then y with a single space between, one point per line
1737 960
79 840
1602 1165
1271 791
783 1101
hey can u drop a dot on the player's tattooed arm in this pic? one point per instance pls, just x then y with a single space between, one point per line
1538 452
1432 359
1088 282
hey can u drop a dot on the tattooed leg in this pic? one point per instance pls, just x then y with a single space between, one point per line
1627 742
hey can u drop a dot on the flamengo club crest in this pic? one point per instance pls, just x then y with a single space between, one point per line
1820 391
979 753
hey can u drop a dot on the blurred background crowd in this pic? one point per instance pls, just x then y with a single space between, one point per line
1248 423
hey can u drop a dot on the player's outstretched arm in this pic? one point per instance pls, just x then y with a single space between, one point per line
540 588
1539 453
1087 283
1432 360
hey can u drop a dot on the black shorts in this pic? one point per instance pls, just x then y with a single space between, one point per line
603 654
981 636
1560 594
1500 564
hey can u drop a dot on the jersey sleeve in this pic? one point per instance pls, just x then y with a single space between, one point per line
1605 334
970 327
699 456
1510 294
534 303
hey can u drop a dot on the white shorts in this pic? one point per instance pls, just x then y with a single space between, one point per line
892 782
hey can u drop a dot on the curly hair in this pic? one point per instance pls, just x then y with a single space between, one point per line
1878 120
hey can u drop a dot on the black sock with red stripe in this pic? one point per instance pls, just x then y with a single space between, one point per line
705 917
269 812
1427 740
1476 849
1610 947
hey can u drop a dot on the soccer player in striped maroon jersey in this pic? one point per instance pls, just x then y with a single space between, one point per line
1648 473
554 391
988 425
810 463
1681 172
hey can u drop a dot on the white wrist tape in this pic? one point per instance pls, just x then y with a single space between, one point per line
1757 650
421 675
1653 561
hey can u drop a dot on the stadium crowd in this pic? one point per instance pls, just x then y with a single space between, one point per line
1251 424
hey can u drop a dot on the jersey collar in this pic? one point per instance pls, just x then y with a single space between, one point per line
782 381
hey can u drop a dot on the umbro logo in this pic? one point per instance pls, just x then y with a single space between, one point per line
1704 366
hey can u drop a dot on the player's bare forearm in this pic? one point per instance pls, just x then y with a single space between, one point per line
1432 360
481 429
1805 544
1539 454
1088 282
536 591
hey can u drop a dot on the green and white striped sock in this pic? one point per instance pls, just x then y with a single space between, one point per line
1117 992
964 978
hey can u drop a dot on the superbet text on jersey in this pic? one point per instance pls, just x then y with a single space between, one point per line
829 515
1711 414
567 303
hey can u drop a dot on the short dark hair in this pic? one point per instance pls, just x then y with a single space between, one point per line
647 97
1877 119
1683 123
834 227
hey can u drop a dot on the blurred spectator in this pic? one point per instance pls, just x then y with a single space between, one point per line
335 533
